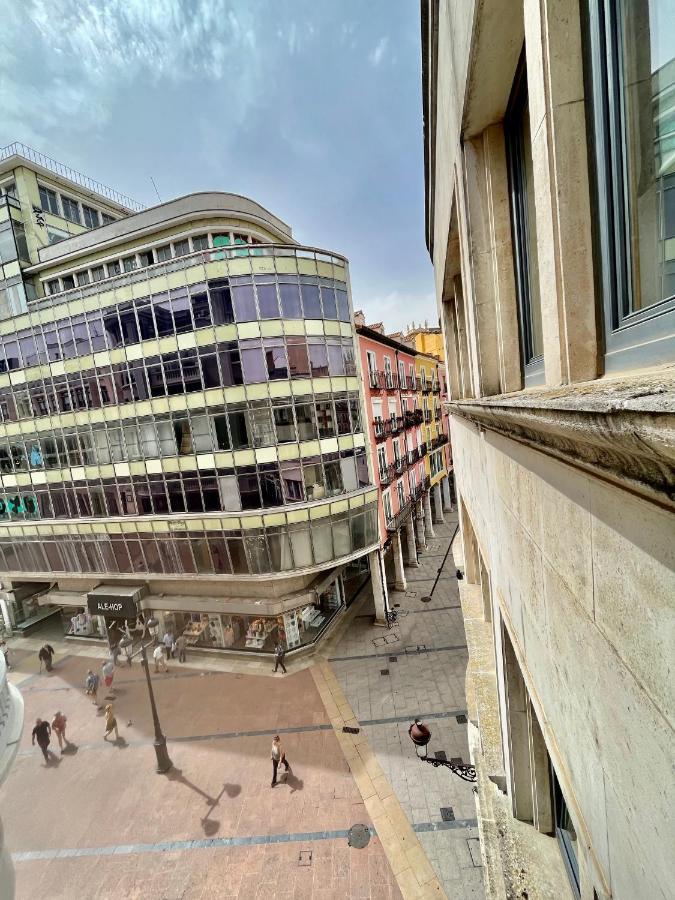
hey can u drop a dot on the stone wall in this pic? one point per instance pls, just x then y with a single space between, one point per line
583 574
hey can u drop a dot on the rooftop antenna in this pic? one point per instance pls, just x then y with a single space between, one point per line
155 187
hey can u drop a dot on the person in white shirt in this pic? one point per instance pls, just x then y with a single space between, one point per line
278 756
168 644
158 656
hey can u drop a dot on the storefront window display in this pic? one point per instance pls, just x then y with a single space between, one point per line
77 622
293 629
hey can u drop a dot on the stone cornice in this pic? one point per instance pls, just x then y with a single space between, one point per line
620 428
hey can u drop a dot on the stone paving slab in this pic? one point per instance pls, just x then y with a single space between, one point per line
418 683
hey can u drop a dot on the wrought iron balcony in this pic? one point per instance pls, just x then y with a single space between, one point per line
387 475
426 388
413 418
427 418
413 456
436 388
401 517
423 450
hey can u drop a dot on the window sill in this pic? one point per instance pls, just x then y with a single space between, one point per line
622 428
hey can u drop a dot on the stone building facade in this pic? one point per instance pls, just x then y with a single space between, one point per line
550 220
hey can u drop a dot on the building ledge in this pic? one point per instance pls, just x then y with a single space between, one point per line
622 427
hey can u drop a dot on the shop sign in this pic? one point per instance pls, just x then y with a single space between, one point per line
112 607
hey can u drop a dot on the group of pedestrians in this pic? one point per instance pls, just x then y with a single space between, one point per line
43 731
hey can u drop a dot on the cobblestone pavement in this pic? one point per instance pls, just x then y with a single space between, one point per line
417 669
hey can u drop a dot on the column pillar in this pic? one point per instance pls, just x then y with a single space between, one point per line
447 496
410 536
396 548
428 524
379 586
419 521
438 504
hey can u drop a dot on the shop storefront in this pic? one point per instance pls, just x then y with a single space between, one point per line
256 632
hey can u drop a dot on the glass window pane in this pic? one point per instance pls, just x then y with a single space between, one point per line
290 300
268 303
647 76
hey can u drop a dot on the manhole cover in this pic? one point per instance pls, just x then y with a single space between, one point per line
461 719
384 671
358 836
349 730
447 814
393 659
441 754
305 858
425 599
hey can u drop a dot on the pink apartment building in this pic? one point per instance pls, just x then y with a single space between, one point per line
410 453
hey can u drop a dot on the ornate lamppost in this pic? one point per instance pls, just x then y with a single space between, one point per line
420 736
163 761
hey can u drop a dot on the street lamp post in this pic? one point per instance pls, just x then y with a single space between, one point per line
420 736
163 760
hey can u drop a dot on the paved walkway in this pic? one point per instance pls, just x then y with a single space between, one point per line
99 822
417 669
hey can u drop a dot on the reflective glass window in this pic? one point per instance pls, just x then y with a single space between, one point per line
328 301
325 418
318 357
305 416
252 362
298 361
268 303
342 306
285 424
311 301
221 302
243 299
336 364
275 357
289 294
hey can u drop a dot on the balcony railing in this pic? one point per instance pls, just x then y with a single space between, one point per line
387 475
383 428
413 417
436 388
400 464
413 456
439 441
426 388
399 518
423 450
390 381
427 417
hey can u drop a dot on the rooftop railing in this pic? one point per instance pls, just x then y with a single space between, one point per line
18 149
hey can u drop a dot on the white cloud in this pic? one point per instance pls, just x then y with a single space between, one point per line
376 55
77 56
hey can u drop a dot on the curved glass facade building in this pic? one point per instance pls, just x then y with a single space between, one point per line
181 410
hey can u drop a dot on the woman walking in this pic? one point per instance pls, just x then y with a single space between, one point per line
59 729
110 723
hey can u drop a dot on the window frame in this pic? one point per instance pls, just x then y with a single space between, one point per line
532 366
69 203
646 336
49 193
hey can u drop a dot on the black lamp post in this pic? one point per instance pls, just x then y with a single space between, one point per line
420 736
163 761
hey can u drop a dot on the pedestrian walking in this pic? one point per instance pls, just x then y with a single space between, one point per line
158 656
45 655
279 654
108 672
115 654
278 756
110 723
59 729
181 647
5 652
91 685
42 733
168 644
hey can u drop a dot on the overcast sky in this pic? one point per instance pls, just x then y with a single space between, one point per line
311 107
